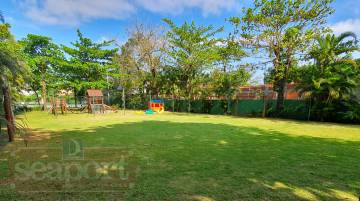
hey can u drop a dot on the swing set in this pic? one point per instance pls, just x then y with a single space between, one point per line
58 105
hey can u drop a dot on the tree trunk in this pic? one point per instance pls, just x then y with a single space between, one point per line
280 79
37 98
43 89
189 90
123 100
173 102
281 96
228 102
283 81
264 102
189 103
9 115
75 98
309 111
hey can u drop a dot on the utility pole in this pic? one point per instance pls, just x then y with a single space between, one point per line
108 88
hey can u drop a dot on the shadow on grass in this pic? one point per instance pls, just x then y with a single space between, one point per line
204 161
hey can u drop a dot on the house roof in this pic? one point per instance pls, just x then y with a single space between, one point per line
94 92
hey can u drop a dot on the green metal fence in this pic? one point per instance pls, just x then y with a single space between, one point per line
294 109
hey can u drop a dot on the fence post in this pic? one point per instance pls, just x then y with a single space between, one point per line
173 102
309 112
237 106
264 101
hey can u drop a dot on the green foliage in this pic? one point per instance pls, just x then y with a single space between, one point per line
12 66
229 76
12 70
191 62
191 50
43 57
282 28
332 81
330 47
227 83
88 64
229 53
140 64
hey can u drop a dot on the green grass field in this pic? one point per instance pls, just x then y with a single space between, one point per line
205 157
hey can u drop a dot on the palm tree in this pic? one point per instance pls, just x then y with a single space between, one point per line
1 21
11 67
334 75
330 48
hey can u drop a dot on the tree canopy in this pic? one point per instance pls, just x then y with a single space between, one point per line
43 56
283 29
191 50
88 64
332 81
13 70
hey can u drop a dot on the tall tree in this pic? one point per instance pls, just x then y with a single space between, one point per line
171 83
147 44
42 56
283 29
129 76
230 75
11 68
89 64
140 59
191 49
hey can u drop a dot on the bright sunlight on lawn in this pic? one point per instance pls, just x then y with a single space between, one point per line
204 157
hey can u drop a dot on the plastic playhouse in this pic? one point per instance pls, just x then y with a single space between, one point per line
157 106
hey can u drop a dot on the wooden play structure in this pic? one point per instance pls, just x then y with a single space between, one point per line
156 106
58 105
95 101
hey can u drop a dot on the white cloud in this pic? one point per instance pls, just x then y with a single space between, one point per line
347 25
207 7
74 12
103 39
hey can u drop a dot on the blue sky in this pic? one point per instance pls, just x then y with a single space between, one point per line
110 19
107 19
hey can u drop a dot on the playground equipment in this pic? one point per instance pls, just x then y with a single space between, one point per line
95 101
58 104
157 106
149 111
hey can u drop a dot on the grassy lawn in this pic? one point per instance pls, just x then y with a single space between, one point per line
205 157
